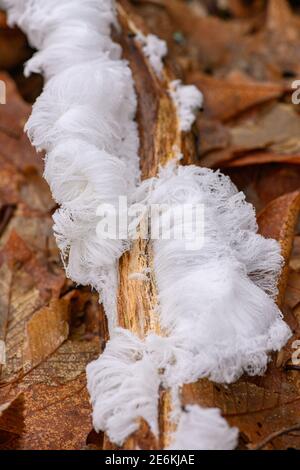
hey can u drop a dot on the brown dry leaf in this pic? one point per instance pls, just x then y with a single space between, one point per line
15 148
224 98
272 135
214 137
49 330
14 48
239 64
16 253
45 331
292 297
14 116
211 36
264 183
49 350
276 129
295 258
55 417
279 220
263 44
276 47
260 158
38 328
57 413
11 415
270 50
87 336
11 420
57 410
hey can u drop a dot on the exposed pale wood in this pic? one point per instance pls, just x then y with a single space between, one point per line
160 138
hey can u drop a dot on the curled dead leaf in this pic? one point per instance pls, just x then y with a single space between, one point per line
278 220
224 98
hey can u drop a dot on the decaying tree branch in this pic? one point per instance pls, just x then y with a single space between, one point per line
160 139
160 135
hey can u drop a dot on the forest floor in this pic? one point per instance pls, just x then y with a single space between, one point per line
244 56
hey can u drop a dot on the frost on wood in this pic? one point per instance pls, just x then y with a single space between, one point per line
123 384
214 302
44 19
203 429
84 119
155 50
188 100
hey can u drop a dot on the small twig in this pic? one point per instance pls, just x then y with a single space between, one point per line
292 367
275 434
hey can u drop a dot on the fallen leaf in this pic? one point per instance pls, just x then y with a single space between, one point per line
292 297
214 137
295 258
264 183
15 147
260 158
45 331
271 136
274 129
55 418
11 420
278 220
212 37
14 49
224 98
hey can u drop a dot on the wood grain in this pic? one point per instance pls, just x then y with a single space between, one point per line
160 139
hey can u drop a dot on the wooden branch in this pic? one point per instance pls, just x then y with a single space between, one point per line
160 136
